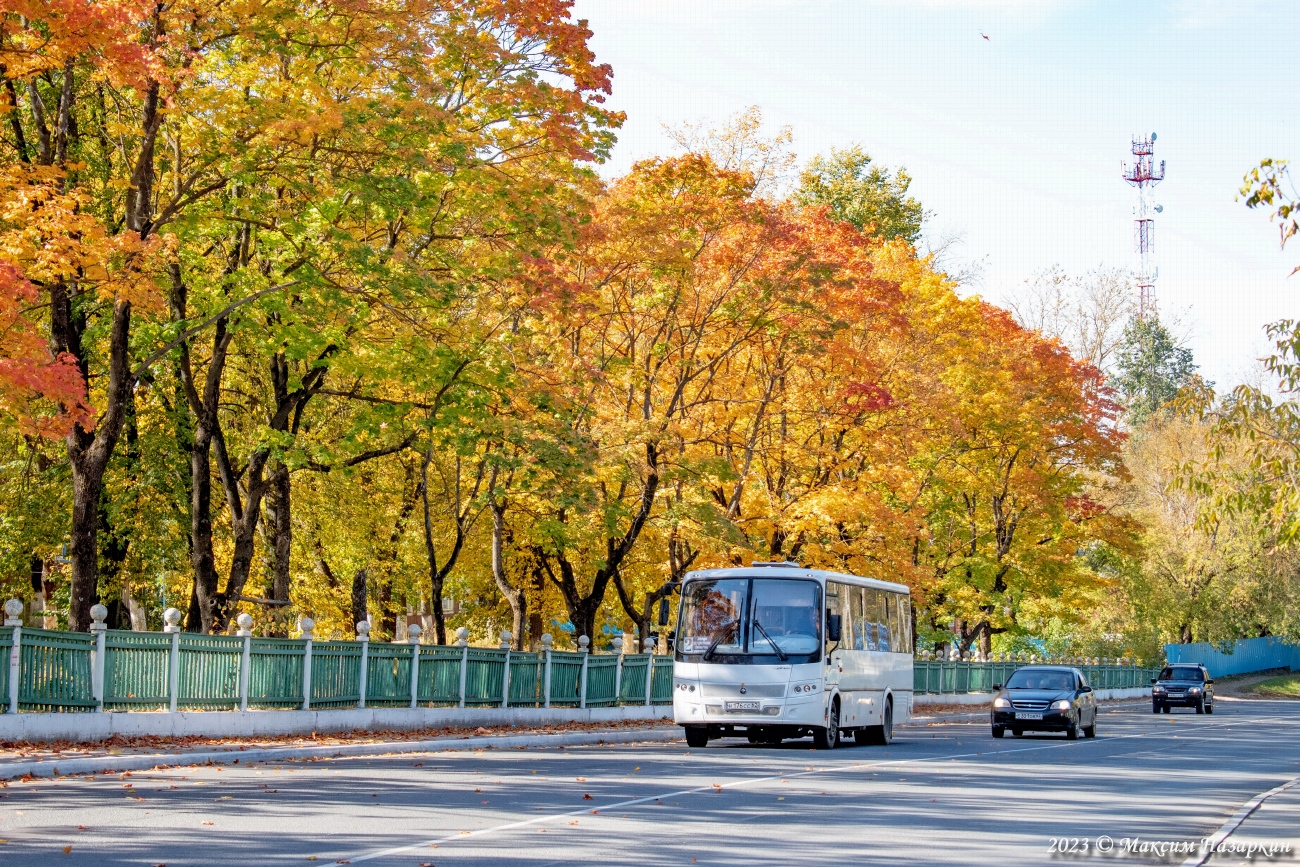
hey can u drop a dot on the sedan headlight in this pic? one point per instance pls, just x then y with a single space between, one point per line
1001 702
1063 704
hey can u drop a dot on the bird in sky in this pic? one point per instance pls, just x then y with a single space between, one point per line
982 34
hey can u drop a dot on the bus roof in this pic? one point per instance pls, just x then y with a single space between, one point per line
791 570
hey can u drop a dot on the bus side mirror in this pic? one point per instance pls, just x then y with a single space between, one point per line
663 612
832 627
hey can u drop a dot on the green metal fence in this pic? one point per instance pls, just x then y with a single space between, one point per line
275 672
954 677
388 675
335 674
66 672
209 671
55 671
439 677
136 670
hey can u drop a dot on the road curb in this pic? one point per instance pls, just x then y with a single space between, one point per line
143 762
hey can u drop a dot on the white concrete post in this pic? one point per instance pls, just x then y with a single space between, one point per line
363 635
172 625
618 668
546 671
413 638
14 618
306 624
97 629
506 638
245 632
649 647
583 641
462 641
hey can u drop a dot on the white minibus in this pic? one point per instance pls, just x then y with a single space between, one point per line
774 651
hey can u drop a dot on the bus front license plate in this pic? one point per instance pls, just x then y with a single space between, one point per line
733 706
1037 716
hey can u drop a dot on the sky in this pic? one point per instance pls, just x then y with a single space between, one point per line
1014 142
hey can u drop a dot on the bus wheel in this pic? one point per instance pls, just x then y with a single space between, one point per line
697 737
882 734
828 738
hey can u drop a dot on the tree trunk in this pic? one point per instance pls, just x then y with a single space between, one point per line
515 596
359 612
279 518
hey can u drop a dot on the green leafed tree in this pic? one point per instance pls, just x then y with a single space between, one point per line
870 197
1151 368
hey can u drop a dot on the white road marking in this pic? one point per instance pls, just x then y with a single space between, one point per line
1226 829
538 820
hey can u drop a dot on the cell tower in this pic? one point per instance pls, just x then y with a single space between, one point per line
1144 175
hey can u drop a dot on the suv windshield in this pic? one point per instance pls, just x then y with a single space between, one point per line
1030 679
750 620
1182 672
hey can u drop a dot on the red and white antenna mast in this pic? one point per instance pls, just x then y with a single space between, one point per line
1144 175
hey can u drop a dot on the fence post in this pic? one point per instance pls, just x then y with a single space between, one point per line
245 632
413 637
546 671
462 641
618 669
363 635
97 629
583 641
506 638
306 624
14 618
649 647
172 625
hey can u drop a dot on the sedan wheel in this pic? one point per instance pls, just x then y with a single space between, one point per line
1072 733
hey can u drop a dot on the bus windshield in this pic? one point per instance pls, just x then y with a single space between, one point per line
775 618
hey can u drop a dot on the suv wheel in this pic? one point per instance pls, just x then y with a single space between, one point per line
1209 708
1200 706
1155 707
998 731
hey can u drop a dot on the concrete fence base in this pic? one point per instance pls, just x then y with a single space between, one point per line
94 727
981 698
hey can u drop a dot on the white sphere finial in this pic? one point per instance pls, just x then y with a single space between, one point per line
245 621
171 620
413 631
462 636
506 638
363 630
583 642
13 613
306 624
547 639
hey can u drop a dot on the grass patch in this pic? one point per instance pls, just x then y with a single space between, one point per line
1286 685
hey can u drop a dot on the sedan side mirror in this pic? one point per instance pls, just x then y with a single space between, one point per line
997 686
833 627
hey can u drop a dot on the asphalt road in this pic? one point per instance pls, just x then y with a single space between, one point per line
941 794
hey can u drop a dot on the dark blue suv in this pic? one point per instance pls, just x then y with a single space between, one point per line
1183 685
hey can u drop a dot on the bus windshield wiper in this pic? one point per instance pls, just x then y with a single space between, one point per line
779 652
722 633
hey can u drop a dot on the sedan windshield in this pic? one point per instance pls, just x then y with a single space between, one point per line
1030 679
1182 672
775 618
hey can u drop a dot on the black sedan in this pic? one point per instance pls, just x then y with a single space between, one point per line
1183 686
1045 698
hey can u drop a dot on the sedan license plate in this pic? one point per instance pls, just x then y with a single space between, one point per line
1037 716
733 706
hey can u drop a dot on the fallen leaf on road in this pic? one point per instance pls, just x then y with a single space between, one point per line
67 850
82 828
582 779
574 822
209 823
588 798
224 798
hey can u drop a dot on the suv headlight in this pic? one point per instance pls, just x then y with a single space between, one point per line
1157 689
1001 702
1194 689
1063 704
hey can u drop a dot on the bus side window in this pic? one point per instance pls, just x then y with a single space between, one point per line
855 605
838 601
905 620
895 624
